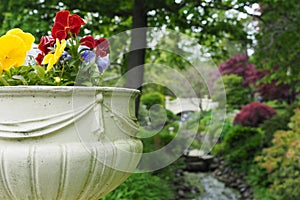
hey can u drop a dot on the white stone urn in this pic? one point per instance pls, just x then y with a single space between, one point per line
66 143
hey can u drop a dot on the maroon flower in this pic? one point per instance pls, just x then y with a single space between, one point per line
65 23
46 43
40 58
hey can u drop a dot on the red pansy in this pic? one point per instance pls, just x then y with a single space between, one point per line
88 41
102 47
75 23
65 23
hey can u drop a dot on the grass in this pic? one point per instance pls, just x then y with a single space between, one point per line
144 186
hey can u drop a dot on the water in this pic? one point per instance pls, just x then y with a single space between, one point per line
210 188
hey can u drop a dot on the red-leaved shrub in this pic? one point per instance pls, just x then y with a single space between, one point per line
254 114
271 90
239 65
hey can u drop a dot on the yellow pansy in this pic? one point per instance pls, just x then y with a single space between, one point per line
27 38
12 52
51 58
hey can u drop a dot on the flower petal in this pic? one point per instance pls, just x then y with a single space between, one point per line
88 41
59 31
62 18
12 51
49 59
75 23
46 43
27 38
103 63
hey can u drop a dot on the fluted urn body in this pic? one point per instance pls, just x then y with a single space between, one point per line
66 142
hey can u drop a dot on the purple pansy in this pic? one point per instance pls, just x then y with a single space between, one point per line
102 62
65 56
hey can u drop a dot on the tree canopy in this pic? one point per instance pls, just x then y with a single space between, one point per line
211 22
278 43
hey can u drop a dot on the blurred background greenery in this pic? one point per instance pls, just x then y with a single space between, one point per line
254 43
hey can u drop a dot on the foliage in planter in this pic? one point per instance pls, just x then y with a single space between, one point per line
254 114
236 94
240 146
281 161
37 75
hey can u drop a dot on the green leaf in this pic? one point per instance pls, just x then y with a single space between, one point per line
3 81
21 78
40 71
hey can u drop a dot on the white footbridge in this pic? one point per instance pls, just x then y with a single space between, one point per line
181 105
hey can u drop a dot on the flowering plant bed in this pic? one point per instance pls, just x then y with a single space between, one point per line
61 58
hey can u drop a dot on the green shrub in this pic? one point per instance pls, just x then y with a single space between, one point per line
145 186
171 117
281 161
277 122
153 98
156 117
236 94
142 116
204 121
240 146
227 126
152 112
155 139
257 177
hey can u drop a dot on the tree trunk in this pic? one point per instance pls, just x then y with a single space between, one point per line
136 59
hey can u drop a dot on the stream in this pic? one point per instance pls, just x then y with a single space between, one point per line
199 175
204 185
209 187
